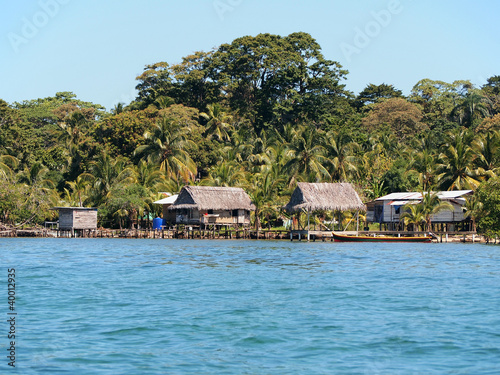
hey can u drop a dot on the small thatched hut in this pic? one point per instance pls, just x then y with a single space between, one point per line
208 205
324 197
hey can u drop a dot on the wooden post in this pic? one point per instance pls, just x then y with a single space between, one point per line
308 223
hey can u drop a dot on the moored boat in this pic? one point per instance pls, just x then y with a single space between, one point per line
352 238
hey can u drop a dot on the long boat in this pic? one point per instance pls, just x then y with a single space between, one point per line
351 238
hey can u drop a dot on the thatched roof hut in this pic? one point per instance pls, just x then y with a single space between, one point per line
324 197
212 198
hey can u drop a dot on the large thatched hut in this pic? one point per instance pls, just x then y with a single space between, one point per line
209 205
310 197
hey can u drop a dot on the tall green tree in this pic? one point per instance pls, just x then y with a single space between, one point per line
372 94
488 218
272 79
404 119
154 82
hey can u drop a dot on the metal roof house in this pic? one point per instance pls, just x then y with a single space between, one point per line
166 202
387 209
210 205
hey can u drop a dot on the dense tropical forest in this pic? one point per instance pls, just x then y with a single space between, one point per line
260 113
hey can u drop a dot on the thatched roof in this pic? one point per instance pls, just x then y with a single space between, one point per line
212 198
324 197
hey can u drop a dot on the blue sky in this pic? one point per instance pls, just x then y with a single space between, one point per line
97 48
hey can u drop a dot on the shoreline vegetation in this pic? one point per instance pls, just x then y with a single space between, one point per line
262 113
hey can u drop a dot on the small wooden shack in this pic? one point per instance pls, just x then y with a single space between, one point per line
77 218
212 206
310 197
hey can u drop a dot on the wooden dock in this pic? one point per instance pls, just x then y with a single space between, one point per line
231 234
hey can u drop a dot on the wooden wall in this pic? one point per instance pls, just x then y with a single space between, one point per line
75 218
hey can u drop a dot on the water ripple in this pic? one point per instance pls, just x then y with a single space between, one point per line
113 306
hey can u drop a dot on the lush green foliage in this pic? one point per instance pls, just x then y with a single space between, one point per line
487 211
259 112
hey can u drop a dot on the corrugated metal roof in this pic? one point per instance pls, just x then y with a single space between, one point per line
400 196
453 194
167 200
416 195
402 203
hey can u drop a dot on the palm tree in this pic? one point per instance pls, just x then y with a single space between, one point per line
373 160
227 174
279 154
423 164
7 163
118 108
376 189
341 154
308 158
487 153
163 102
40 191
147 175
106 173
456 167
261 153
474 209
80 186
474 105
432 205
218 122
165 146
262 190
36 175
413 215
242 144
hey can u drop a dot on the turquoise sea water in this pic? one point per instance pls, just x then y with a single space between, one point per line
112 306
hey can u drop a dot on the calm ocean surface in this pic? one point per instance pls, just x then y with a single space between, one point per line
113 306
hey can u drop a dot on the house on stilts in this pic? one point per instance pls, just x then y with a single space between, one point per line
77 220
311 197
387 210
210 206
168 216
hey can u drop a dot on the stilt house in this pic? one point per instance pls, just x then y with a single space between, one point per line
310 197
168 215
324 197
388 209
77 218
209 206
